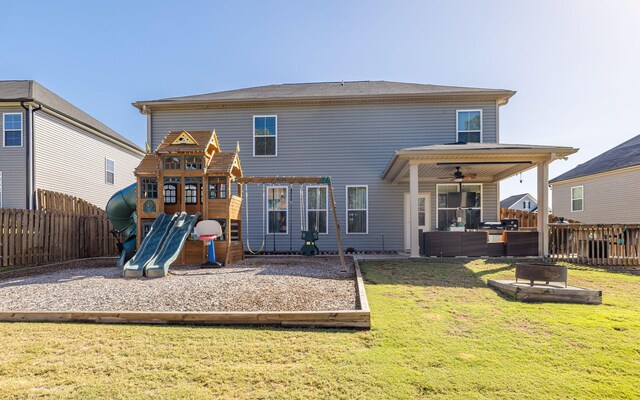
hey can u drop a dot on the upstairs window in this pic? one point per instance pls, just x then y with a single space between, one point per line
218 187
148 188
469 126
172 163
12 128
265 136
193 163
526 205
109 171
577 198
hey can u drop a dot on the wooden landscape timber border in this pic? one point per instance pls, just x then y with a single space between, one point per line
359 319
546 293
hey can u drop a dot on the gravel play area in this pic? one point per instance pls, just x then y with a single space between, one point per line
255 284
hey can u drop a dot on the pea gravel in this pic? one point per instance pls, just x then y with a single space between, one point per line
255 284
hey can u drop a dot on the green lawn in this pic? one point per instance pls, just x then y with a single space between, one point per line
438 332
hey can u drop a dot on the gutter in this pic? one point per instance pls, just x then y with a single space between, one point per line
30 167
501 97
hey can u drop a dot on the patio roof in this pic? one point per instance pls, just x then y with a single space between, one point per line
483 162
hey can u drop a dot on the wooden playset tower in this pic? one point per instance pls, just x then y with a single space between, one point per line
188 172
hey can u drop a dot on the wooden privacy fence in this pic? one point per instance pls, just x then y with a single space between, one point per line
527 219
54 201
603 245
63 228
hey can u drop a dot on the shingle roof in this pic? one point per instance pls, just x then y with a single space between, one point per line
150 165
322 90
30 90
222 163
483 146
624 155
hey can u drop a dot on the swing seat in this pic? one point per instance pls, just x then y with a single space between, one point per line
309 247
309 235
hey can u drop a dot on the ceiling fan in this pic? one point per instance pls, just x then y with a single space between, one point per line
458 177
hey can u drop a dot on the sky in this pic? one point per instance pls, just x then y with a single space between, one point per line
574 64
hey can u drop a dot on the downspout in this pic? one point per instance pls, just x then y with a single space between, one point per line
30 167
146 111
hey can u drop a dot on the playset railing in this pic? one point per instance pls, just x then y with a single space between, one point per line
64 228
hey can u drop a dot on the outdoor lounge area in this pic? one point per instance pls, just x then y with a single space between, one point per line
460 227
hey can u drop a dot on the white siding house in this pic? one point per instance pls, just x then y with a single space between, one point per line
57 147
603 190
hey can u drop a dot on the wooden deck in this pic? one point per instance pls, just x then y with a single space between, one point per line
553 293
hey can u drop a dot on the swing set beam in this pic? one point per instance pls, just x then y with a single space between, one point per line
320 180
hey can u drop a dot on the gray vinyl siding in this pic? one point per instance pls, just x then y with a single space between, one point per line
13 164
71 160
608 199
350 143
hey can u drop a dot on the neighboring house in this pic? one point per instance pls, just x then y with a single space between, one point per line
372 138
603 190
521 202
48 143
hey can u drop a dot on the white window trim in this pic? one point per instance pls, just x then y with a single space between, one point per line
266 227
326 193
457 127
347 209
571 197
21 129
481 208
106 170
254 136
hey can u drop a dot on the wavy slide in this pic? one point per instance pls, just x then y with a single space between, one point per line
161 246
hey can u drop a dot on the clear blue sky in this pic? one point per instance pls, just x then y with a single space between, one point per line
575 64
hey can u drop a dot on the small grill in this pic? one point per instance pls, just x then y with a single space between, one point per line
541 273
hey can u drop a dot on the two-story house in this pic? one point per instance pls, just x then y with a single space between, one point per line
520 202
603 190
398 154
48 143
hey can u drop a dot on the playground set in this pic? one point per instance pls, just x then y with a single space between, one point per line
188 180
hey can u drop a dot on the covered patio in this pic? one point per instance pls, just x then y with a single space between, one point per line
472 163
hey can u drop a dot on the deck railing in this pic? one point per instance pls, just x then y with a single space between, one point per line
602 245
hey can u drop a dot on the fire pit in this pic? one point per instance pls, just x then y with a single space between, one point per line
541 272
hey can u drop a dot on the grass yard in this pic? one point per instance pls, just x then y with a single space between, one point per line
437 332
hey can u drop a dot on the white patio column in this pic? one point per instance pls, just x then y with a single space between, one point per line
543 208
413 204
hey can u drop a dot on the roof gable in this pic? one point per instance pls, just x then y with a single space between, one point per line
186 142
624 155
